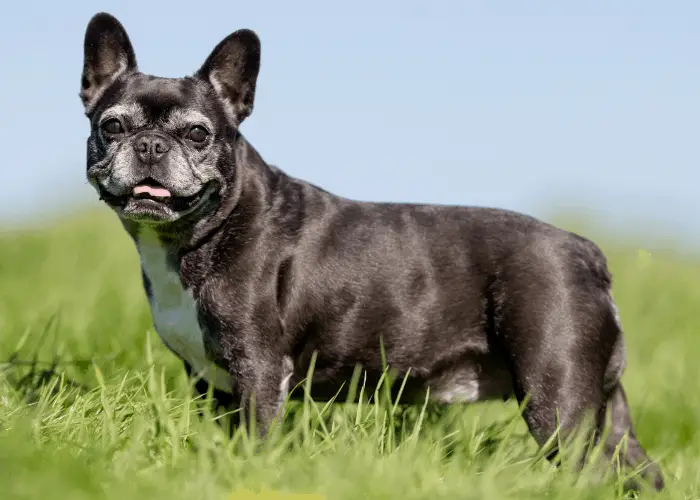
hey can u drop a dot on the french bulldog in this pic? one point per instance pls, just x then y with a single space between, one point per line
251 273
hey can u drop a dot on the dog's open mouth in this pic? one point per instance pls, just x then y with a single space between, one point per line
151 190
152 195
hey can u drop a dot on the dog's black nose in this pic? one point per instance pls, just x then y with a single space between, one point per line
151 147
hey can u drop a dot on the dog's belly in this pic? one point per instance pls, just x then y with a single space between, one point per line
472 382
174 312
475 377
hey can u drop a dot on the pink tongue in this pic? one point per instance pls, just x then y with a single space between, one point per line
156 192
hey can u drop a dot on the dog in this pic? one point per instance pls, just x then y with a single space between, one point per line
251 273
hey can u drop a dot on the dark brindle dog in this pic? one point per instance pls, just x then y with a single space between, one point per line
249 271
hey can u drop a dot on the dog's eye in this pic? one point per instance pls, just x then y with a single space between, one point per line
112 126
197 134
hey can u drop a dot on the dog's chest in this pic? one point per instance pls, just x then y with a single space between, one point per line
174 311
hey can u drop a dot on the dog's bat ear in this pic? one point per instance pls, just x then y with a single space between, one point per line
108 55
232 69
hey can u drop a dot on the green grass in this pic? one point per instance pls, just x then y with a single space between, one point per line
119 422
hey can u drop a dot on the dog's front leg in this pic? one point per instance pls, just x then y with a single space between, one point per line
258 389
250 339
259 385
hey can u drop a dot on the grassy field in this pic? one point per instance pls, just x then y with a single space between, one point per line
113 418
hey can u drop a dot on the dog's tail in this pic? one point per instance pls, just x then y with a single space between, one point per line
622 442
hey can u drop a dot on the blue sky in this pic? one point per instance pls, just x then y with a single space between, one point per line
537 106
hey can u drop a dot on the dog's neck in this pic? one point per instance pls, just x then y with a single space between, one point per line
248 195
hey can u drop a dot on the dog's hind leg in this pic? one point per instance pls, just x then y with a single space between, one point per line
563 345
557 345
622 444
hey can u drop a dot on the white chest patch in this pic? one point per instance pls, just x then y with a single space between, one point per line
174 311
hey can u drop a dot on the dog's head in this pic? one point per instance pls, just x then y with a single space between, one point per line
161 149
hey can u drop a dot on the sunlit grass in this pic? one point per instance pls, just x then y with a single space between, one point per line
107 412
